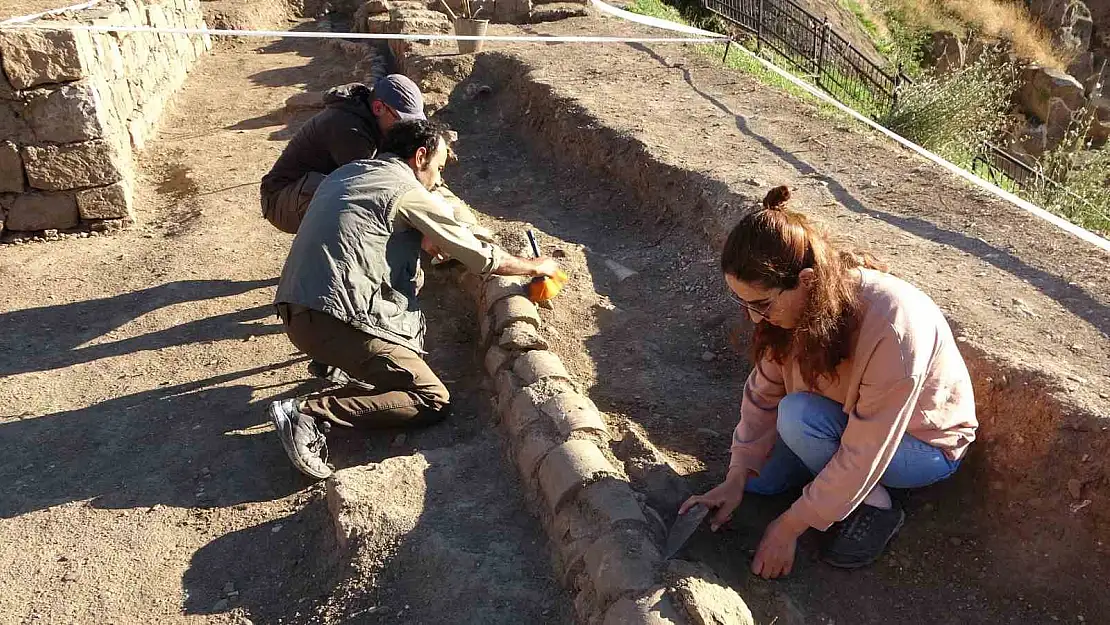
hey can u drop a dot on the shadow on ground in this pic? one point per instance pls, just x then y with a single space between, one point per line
54 337
154 447
437 538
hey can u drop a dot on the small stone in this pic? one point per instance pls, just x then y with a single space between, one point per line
559 253
961 339
1075 488
708 356
71 576
399 440
1077 347
50 233
956 541
929 507
221 606
229 587
623 273
275 529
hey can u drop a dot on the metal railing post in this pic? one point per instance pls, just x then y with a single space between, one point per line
819 62
759 28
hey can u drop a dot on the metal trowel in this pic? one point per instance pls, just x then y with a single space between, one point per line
683 528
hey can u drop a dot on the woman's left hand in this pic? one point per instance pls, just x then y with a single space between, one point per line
775 556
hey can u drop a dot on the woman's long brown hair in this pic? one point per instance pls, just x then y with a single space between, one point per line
770 247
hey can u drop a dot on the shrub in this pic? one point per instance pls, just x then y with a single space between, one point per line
953 114
1075 180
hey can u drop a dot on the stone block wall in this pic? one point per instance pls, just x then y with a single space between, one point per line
75 106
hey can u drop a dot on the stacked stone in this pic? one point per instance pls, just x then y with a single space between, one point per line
607 542
74 105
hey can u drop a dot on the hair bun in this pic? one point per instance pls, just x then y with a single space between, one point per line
777 198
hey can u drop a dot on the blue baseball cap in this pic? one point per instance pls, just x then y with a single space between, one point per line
402 95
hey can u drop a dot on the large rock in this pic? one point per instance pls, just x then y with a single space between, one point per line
368 9
1042 84
36 57
7 91
1076 28
73 166
42 211
945 51
73 113
1069 21
705 598
13 122
5 206
1060 118
1082 67
378 503
110 202
1099 133
512 11
11 169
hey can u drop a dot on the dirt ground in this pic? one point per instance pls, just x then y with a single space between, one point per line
643 346
142 480
18 8
655 347
145 486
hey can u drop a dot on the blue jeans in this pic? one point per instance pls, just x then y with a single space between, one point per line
810 427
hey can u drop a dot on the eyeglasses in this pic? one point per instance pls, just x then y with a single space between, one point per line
761 309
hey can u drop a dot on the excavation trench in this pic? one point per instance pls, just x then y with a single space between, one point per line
645 327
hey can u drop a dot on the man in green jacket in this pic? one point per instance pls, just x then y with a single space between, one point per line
347 294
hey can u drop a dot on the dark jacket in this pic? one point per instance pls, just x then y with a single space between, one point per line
350 261
346 130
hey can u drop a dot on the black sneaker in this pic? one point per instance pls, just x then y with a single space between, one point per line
302 439
861 538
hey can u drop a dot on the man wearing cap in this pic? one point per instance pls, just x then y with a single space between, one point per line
352 126
348 292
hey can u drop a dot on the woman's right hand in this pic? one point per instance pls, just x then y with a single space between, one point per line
724 498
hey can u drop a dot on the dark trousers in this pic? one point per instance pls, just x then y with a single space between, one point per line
286 208
405 390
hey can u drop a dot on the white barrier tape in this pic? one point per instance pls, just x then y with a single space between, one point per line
387 36
1033 209
34 16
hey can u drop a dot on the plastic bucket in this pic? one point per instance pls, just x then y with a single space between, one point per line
470 28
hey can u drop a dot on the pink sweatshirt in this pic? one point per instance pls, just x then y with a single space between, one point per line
905 376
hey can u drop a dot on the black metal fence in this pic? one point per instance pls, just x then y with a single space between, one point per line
811 45
998 166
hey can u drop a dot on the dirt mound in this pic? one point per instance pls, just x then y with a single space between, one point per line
434 534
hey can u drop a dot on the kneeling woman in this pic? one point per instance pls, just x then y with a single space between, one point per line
857 387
